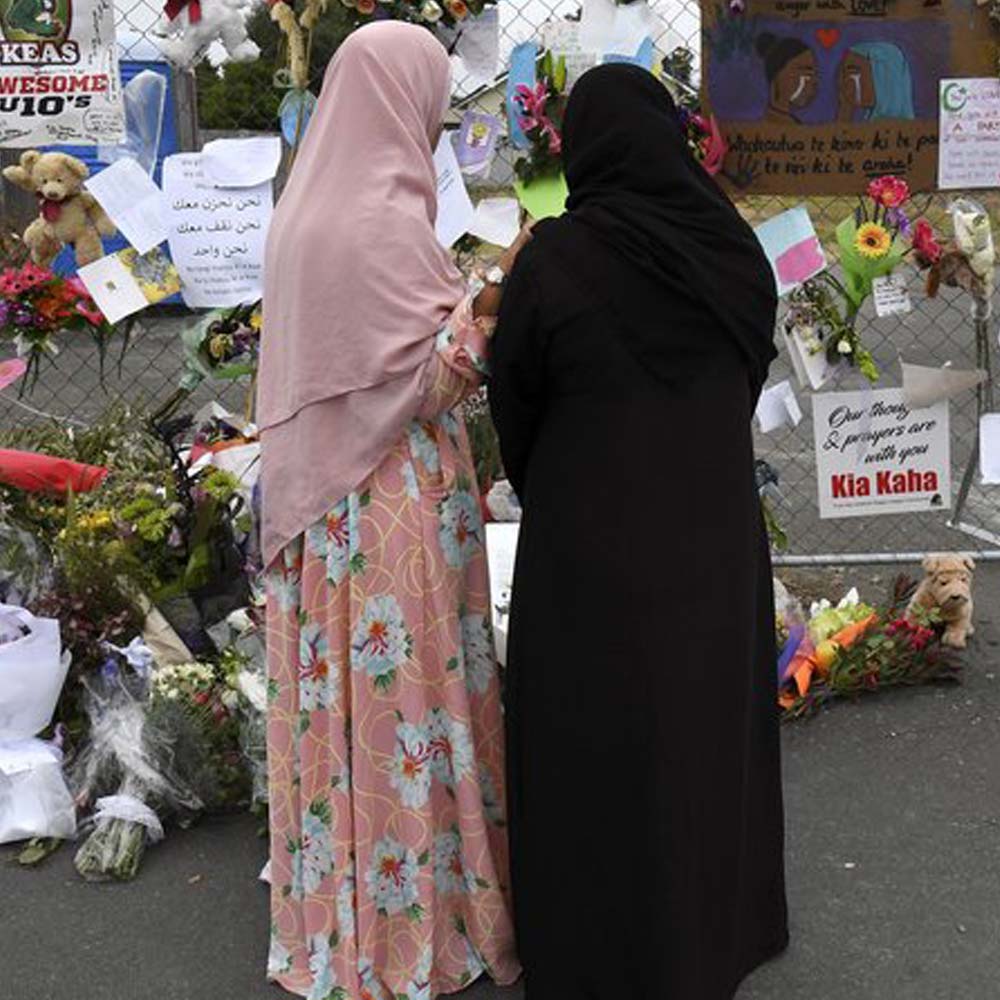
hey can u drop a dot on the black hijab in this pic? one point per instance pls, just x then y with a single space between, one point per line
636 186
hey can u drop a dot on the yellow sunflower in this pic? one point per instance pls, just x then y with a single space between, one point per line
872 240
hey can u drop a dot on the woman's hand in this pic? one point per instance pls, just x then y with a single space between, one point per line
487 302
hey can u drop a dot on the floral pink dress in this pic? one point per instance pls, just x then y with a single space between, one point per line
389 865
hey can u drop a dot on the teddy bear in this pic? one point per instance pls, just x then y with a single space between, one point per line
67 214
946 587
187 28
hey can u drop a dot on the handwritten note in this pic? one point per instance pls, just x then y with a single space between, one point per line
216 234
969 150
125 191
877 455
455 211
892 297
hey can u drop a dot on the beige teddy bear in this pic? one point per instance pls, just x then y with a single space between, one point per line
67 214
947 587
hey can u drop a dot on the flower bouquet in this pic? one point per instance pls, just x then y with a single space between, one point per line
36 305
873 242
540 111
853 649
224 345
704 139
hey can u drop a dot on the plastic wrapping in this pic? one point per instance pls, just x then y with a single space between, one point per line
34 799
128 762
25 566
974 237
145 97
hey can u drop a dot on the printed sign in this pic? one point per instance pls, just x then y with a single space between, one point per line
876 455
59 82
818 96
970 134
216 234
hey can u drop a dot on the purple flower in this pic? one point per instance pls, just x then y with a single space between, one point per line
737 7
4 312
23 316
896 218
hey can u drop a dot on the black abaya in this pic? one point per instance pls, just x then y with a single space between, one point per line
644 772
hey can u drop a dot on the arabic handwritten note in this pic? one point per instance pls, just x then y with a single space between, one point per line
216 234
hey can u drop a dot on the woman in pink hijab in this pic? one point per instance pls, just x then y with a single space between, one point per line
389 866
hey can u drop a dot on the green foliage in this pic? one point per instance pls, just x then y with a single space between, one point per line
243 95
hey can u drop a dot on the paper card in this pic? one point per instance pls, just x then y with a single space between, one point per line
989 448
476 143
127 193
924 386
241 163
792 248
127 282
216 234
497 221
454 208
969 141
608 27
544 198
778 407
478 46
812 370
523 61
904 466
892 297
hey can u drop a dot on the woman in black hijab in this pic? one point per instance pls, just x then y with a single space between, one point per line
645 792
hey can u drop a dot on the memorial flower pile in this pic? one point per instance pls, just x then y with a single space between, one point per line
853 649
429 12
36 305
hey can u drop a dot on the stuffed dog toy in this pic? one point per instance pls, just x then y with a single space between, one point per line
947 587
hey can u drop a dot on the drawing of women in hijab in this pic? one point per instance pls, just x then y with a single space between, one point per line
792 80
874 82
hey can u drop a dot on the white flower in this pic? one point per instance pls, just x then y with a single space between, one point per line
346 903
230 699
317 848
319 678
411 769
452 757
381 643
460 528
321 967
844 347
392 877
279 958
450 873
431 12
477 648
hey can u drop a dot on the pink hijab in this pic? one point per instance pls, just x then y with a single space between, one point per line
355 284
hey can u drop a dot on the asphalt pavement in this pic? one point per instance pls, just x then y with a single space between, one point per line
893 816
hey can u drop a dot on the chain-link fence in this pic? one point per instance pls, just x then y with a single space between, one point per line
238 99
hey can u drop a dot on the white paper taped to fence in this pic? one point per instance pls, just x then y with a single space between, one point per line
876 455
59 74
135 204
216 234
32 673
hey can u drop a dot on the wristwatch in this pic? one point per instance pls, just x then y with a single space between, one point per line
496 276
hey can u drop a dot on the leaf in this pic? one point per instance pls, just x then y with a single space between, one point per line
453 663
37 850
424 858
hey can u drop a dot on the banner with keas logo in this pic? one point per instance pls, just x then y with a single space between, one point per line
59 81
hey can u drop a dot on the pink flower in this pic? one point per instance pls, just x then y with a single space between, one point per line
531 103
925 245
889 192
32 275
11 283
713 147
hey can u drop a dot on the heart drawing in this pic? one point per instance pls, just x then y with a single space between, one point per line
828 37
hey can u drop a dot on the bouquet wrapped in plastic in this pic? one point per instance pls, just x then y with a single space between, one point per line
129 772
